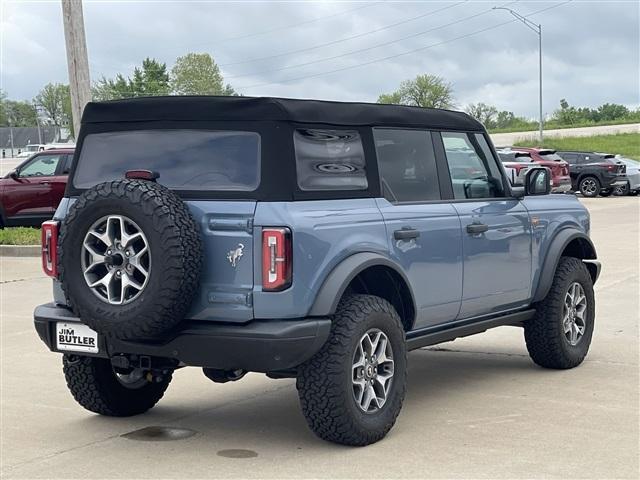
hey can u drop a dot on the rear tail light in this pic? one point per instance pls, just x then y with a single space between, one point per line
276 259
50 248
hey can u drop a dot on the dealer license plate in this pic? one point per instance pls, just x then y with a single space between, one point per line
76 337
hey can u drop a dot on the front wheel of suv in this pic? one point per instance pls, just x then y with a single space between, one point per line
352 390
560 333
589 186
97 387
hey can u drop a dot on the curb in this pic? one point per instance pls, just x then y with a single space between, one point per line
20 250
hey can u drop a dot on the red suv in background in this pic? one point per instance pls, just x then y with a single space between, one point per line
30 194
561 180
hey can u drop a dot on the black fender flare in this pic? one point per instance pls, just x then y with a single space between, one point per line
334 286
554 252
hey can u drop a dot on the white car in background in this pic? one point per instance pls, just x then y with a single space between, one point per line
633 177
30 150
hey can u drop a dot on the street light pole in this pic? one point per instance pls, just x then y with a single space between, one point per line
35 107
537 28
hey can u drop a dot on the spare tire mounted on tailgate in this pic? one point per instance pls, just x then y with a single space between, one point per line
130 258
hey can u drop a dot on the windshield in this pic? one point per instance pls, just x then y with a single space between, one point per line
185 159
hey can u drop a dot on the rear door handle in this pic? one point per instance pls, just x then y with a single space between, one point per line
406 233
475 228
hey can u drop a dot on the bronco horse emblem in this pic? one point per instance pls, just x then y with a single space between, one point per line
234 255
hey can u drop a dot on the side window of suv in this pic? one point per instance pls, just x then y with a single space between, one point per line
42 165
329 160
407 165
473 169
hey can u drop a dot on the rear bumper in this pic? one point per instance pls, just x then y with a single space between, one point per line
614 181
258 346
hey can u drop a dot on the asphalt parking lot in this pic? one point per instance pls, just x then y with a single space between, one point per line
476 407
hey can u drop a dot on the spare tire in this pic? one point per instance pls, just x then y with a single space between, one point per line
130 256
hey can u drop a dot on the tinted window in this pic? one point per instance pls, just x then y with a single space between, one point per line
66 164
185 159
329 160
473 169
514 157
42 165
569 157
407 165
551 156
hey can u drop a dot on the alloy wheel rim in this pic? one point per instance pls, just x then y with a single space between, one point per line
372 371
574 317
116 261
589 186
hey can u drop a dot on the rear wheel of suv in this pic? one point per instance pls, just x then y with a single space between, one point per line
130 258
98 388
352 390
589 186
560 333
621 190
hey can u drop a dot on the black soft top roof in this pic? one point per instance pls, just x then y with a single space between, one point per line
210 108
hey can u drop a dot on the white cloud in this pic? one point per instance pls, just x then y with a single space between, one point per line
591 49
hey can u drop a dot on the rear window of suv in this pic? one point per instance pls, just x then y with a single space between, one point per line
185 159
550 156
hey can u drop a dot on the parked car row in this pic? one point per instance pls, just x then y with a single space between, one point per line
589 173
30 194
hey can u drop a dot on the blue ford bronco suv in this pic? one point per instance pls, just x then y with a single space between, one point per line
305 239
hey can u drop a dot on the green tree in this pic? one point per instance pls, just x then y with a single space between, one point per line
198 74
52 98
612 111
151 79
17 114
485 114
427 91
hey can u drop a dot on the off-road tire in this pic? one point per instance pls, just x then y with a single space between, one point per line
544 334
176 258
324 382
581 188
94 385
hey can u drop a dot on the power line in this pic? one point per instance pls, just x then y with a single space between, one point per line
264 32
334 42
366 49
493 27
292 25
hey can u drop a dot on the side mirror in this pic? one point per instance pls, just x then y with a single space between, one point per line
537 181
13 174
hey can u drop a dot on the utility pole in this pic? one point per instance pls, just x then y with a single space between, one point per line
537 28
77 59
35 107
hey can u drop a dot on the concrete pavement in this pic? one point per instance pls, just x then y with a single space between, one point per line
475 407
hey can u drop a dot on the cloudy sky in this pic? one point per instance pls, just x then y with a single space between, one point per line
347 50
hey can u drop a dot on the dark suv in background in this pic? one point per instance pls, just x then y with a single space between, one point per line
561 180
30 194
595 173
